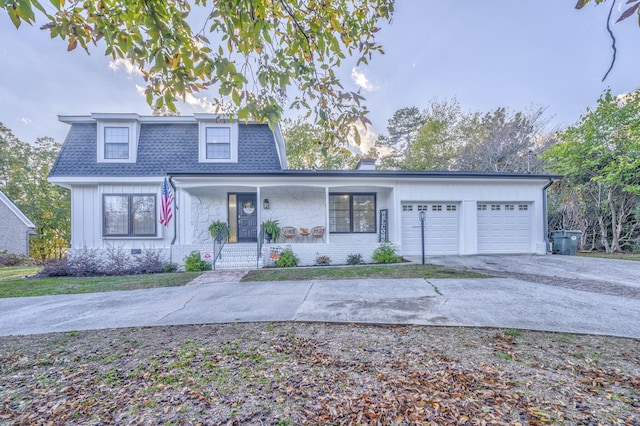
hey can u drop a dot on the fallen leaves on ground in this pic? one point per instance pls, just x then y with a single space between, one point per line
318 374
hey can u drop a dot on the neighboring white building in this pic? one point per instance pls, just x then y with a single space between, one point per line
222 169
15 228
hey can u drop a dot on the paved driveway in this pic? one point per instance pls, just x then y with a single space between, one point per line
495 302
624 272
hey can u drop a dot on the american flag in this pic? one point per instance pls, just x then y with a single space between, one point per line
167 200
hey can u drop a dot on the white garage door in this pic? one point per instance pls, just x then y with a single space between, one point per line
504 228
441 228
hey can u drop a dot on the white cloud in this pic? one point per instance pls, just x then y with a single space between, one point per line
360 78
368 136
201 104
124 64
25 120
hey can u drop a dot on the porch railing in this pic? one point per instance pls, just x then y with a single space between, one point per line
218 244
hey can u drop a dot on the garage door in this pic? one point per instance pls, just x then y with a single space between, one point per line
441 230
504 228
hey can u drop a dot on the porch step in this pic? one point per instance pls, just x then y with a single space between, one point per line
238 256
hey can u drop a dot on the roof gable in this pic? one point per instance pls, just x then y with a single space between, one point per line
15 210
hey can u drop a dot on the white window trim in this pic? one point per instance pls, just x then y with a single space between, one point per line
202 142
133 139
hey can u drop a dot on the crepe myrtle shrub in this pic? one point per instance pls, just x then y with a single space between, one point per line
287 259
149 262
323 260
82 263
194 263
118 262
386 253
354 259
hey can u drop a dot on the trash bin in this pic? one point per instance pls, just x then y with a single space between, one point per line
566 241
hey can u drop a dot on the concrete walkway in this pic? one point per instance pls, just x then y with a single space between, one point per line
494 302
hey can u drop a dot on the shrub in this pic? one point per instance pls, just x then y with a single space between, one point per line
354 259
85 263
287 259
149 262
386 253
55 268
323 260
118 262
168 267
193 263
11 259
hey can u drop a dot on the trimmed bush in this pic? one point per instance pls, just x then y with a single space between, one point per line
323 260
386 253
193 263
288 259
354 259
168 267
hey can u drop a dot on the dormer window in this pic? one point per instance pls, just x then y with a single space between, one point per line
117 141
218 142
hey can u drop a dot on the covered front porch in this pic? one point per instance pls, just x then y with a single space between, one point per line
314 220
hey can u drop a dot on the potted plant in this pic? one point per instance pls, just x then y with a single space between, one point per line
271 230
216 230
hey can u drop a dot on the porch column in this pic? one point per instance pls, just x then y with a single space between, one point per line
326 211
259 208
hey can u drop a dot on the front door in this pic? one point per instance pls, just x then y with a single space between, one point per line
247 218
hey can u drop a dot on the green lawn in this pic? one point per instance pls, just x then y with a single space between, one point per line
16 272
12 286
362 271
621 256
12 283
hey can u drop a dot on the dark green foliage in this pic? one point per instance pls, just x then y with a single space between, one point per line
386 253
354 259
288 259
193 263
169 267
24 169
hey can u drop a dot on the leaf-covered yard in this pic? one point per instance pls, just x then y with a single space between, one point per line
318 374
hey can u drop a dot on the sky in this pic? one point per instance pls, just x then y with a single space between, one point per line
487 54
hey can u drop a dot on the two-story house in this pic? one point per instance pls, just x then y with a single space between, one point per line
224 169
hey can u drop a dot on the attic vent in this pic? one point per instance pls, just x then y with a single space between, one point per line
366 164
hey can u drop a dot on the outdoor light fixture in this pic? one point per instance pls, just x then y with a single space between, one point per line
422 216
265 204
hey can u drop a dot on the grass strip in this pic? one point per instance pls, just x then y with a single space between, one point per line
360 271
76 285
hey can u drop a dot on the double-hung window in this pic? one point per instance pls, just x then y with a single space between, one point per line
116 143
352 213
129 215
218 143
217 140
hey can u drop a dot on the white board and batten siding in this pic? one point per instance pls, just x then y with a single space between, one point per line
504 227
86 204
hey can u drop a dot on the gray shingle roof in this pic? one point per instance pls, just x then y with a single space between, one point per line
165 148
